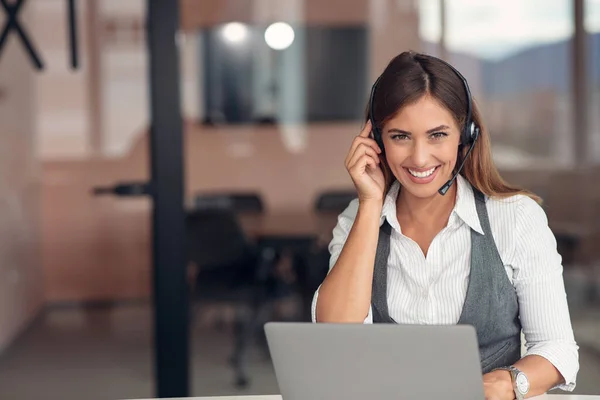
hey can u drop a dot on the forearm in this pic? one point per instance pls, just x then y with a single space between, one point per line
541 373
345 295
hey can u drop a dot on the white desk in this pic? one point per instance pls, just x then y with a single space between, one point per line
277 397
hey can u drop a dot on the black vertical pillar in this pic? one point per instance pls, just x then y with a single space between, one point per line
580 85
72 18
444 31
171 307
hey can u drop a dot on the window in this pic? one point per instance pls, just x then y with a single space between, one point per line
321 76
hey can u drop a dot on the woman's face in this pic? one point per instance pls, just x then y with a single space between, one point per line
421 146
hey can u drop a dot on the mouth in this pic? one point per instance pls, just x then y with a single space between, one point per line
422 176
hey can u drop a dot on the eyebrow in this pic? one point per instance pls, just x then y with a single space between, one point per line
432 130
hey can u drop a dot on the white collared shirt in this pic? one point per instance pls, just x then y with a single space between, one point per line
432 290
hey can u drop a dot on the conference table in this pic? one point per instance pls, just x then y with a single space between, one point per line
278 397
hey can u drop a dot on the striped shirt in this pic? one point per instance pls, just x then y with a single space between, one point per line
432 289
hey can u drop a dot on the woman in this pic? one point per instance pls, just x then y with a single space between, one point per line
437 237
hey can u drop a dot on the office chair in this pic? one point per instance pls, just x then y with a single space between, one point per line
327 205
230 269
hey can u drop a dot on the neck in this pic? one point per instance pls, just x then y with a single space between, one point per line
433 211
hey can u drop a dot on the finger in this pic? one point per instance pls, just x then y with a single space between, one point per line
359 140
371 163
361 165
362 151
369 142
366 130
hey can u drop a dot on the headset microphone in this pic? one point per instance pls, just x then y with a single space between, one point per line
447 185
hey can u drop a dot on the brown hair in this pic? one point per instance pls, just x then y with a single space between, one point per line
410 76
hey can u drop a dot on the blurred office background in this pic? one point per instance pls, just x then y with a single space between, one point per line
272 93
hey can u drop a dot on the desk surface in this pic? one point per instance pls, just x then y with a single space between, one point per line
277 397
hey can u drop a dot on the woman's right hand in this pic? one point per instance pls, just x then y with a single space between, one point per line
363 164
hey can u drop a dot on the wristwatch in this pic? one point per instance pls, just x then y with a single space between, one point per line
520 381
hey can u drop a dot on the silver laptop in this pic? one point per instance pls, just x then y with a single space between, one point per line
375 361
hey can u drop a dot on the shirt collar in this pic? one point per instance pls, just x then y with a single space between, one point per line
464 207
389 207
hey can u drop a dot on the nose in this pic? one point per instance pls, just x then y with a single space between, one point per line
420 154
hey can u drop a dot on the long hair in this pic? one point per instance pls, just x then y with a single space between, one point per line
410 76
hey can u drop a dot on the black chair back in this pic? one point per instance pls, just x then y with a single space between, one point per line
237 202
214 238
334 200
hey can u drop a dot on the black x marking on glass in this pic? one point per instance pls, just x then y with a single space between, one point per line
13 24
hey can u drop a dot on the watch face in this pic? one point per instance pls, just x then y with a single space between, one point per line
522 383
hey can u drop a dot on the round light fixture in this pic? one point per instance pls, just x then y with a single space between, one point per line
279 36
235 32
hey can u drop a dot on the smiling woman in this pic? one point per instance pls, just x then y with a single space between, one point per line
415 248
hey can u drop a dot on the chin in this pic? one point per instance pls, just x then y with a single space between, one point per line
421 191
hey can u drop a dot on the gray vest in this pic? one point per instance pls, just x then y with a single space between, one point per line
491 304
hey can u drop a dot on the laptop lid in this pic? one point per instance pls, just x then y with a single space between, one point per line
375 361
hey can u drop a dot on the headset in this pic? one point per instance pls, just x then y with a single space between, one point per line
469 133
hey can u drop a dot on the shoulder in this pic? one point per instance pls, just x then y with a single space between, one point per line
515 212
520 229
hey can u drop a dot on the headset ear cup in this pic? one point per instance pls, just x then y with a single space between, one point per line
470 134
378 140
475 132
465 139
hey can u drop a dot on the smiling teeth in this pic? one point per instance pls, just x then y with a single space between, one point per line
424 174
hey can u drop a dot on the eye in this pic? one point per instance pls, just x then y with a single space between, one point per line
438 135
400 136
